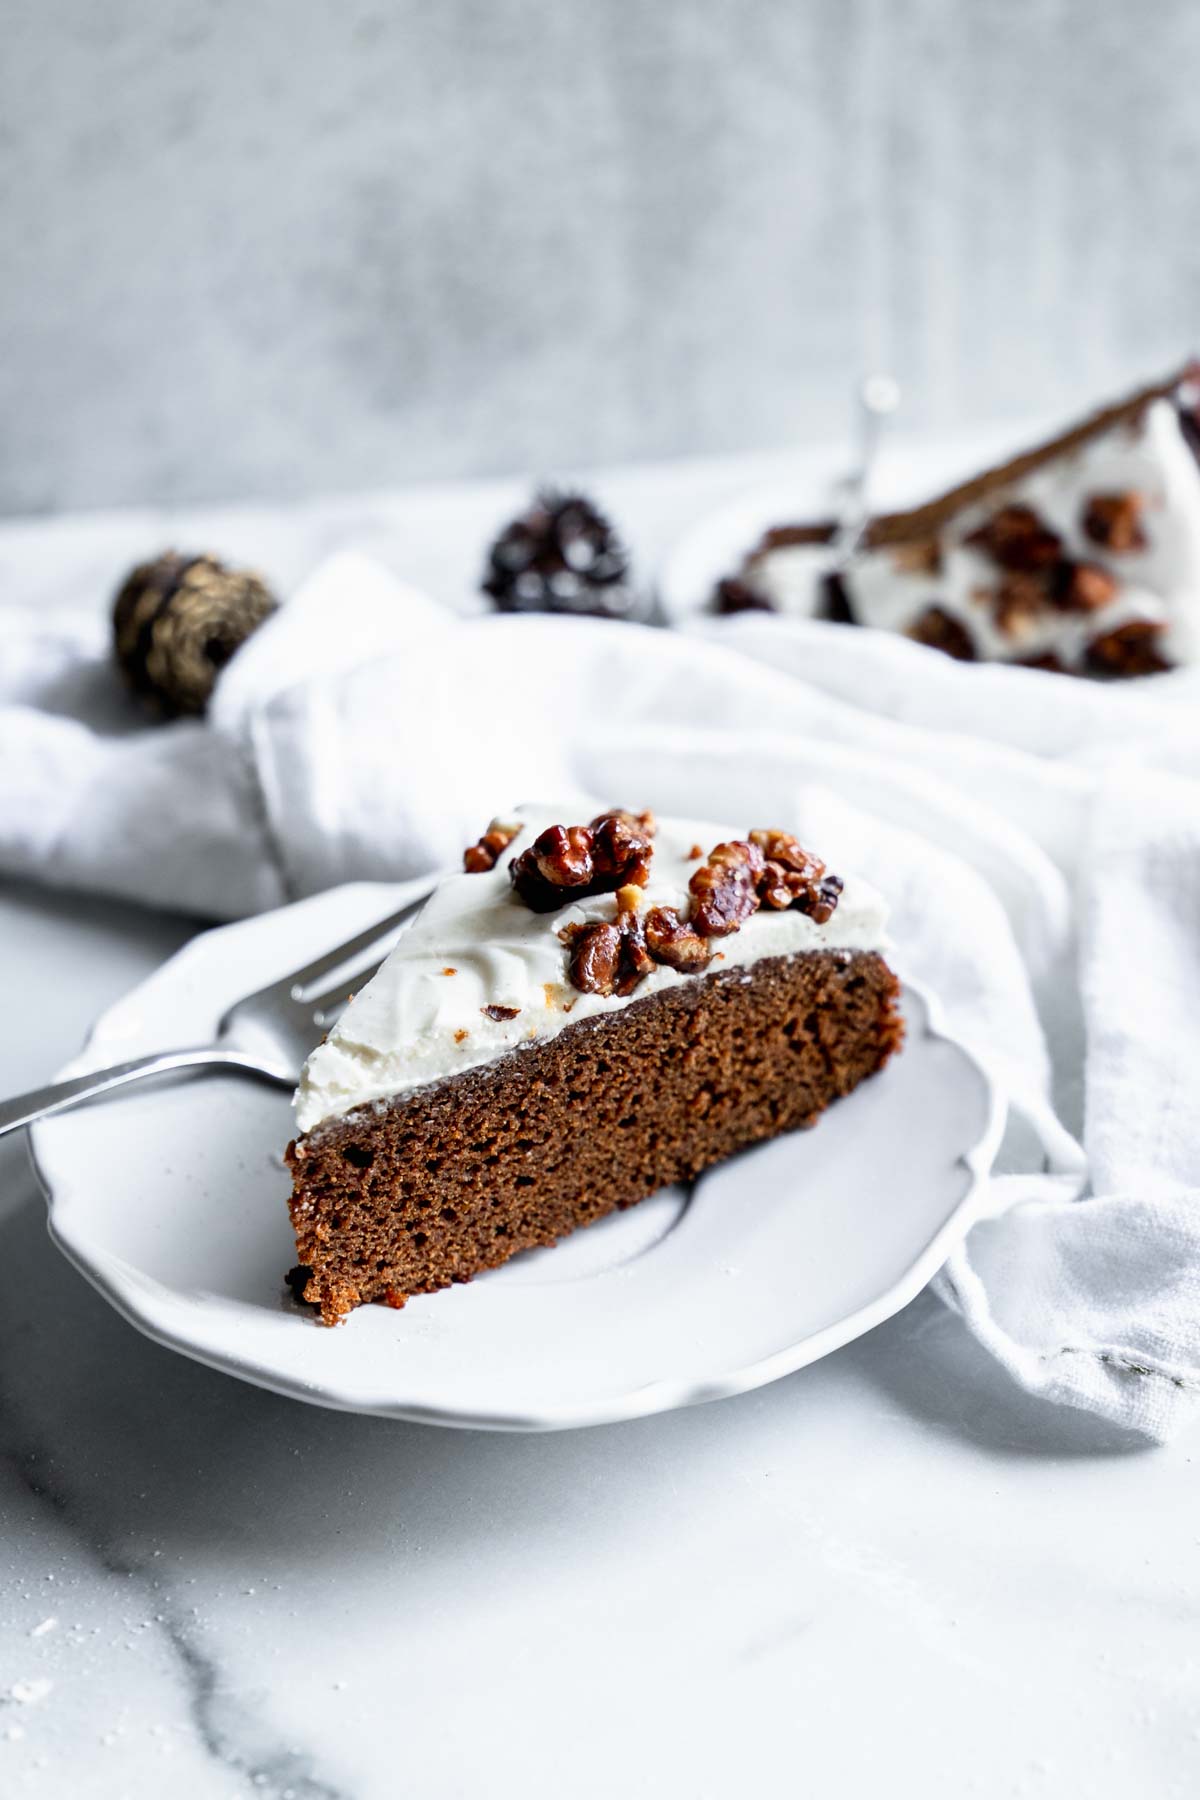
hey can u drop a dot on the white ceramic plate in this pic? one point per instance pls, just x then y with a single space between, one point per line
171 1200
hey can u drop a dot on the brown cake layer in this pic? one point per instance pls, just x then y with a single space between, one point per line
431 1188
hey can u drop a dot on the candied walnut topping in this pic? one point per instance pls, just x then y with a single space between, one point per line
736 595
568 862
1083 586
725 888
792 876
1045 660
1017 602
1114 521
1016 538
937 630
1134 648
671 940
768 868
479 857
609 957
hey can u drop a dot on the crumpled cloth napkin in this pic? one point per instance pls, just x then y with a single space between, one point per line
1039 841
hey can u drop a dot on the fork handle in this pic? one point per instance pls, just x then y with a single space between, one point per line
23 1109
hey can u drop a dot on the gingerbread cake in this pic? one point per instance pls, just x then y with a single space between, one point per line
586 1014
1080 555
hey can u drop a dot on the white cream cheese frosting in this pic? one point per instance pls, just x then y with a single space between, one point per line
475 945
1158 583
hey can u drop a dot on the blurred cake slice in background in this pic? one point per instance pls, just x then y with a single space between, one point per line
1080 555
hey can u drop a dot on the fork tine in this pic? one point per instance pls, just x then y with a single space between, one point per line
303 978
340 992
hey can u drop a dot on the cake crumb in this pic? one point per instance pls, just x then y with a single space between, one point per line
461 1036
500 1013
449 971
695 851
28 1693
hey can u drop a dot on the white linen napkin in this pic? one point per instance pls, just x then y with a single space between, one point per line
1039 840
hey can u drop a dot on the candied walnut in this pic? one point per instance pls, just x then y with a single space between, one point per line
1114 521
621 849
1083 586
609 957
939 631
792 876
1017 602
479 857
1045 660
500 1013
671 940
568 862
644 822
1132 649
556 866
736 595
725 888
1016 538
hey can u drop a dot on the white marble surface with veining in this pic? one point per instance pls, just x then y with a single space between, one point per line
888 1575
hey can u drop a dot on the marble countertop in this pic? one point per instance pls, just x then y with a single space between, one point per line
888 1574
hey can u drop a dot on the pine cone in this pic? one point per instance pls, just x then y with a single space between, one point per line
176 623
561 556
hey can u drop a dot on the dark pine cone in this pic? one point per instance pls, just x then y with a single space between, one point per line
561 556
176 623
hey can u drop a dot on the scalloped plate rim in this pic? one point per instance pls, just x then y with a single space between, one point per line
644 1399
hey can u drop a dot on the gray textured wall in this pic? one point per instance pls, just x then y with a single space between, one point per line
290 245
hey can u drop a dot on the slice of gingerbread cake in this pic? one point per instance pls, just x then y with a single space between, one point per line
589 1012
1081 555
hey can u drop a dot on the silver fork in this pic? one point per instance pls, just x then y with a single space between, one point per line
877 398
266 1034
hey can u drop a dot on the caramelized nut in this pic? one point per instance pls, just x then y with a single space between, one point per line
937 630
736 595
1132 649
568 862
1017 602
478 858
725 888
792 876
1084 586
621 851
609 957
671 941
1016 538
1114 521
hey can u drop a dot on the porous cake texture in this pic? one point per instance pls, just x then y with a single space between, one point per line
699 1003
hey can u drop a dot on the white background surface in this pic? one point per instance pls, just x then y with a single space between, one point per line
889 1574
281 248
